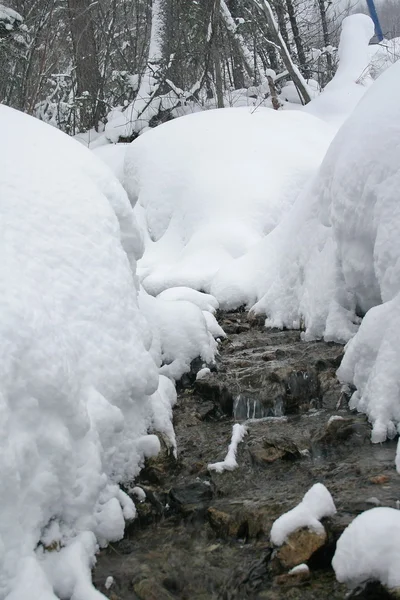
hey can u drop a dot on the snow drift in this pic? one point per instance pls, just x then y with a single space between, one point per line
368 549
209 186
80 382
336 257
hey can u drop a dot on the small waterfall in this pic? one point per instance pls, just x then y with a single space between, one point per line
245 408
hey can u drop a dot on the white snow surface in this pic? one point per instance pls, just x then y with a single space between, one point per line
369 549
316 504
342 94
364 211
209 186
229 463
82 378
337 255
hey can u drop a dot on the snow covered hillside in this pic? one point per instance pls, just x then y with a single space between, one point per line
80 378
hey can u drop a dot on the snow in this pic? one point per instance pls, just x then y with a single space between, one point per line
316 504
369 549
336 256
193 176
109 582
78 383
9 16
229 463
342 94
180 334
202 373
303 568
383 55
205 302
139 493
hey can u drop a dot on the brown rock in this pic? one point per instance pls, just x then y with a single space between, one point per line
299 547
274 448
222 523
266 455
379 479
148 589
292 579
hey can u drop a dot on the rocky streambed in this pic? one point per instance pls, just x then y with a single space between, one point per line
202 535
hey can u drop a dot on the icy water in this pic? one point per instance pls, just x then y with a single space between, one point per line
202 535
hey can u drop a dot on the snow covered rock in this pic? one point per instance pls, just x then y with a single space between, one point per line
369 549
210 185
316 504
78 385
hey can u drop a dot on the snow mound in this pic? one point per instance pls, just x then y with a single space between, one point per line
352 77
369 549
336 256
209 186
365 214
316 504
77 381
203 301
180 334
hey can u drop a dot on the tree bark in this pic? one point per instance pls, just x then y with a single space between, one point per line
297 38
215 24
293 71
88 80
325 33
242 58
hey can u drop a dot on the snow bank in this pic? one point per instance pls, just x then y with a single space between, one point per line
180 333
78 384
316 504
369 549
229 463
352 78
365 215
336 256
209 186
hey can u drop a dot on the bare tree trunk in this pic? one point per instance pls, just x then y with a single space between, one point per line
296 35
293 71
241 47
216 56
88 80
280 13
325 33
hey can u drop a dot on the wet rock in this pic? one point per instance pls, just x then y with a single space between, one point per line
211 389
379 479
247 520
157 468
195 493
148 589
274 448
299 548
342 431
217 548
222 523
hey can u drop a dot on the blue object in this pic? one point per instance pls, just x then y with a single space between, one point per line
375 18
